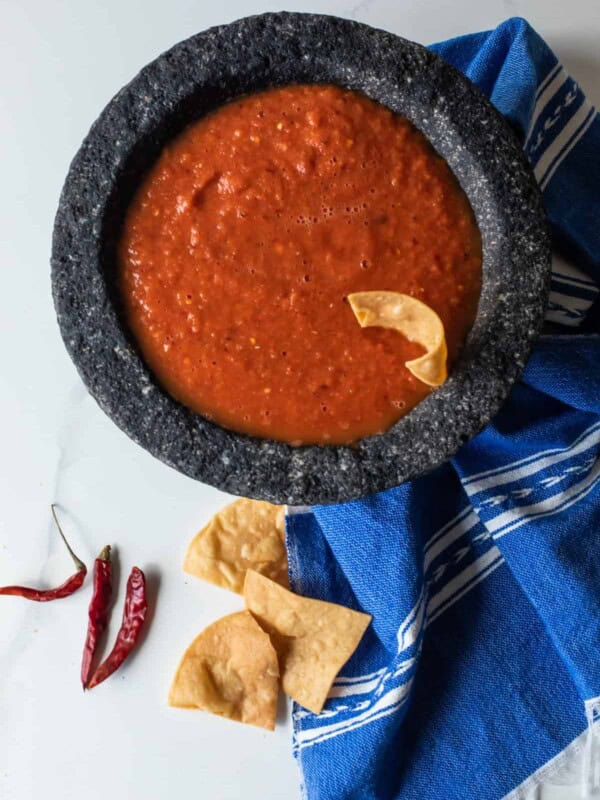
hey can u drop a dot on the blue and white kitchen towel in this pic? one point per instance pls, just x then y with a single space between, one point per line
481 669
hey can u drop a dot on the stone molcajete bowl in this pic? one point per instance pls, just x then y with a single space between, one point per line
195 77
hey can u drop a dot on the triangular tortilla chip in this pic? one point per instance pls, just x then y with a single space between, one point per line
247 534
230 669
416 320
313 639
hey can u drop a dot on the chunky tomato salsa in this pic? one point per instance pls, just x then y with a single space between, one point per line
246 237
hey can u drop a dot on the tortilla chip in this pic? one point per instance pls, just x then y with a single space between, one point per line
246 534
230 669
415 320
313 639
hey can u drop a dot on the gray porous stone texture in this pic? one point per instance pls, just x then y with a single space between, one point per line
195 77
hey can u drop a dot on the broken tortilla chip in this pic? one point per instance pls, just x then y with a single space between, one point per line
415 320
247 534
313 639
230 669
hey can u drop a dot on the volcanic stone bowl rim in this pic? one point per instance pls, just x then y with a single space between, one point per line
111 366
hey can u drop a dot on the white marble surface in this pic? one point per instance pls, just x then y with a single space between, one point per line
60 62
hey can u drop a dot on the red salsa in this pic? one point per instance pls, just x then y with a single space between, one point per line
247 235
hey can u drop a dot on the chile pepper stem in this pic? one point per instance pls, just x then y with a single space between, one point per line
78 562
105 553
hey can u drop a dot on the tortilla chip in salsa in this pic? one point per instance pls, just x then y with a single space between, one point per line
415 320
